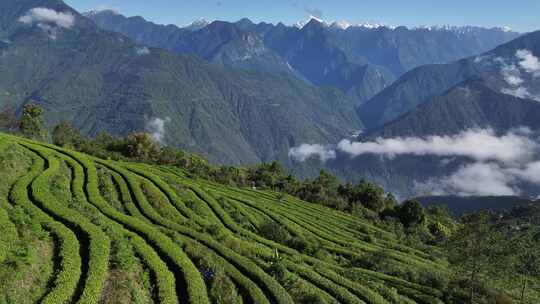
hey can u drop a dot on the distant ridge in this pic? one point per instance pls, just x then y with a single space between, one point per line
360 59
463 205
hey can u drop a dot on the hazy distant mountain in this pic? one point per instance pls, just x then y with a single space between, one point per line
502 69
217 42
103 81
499 91
462 205
361 60
468 105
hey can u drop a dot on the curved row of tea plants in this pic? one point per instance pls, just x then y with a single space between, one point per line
153 230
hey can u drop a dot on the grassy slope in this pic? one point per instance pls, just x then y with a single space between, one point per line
150 233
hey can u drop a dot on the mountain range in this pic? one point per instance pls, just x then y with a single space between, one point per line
243 93
360 60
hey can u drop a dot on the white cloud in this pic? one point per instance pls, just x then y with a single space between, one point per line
529 62
529 172
142 50
156 128
497 165
512 75
520 92
483 179
472 179
307 151
42 15
479 145
524 64
50 21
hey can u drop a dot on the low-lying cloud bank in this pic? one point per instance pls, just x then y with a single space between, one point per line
483 179
307 151
472 179
479 145
497 165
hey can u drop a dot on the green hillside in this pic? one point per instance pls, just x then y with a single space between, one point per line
103 81
78 229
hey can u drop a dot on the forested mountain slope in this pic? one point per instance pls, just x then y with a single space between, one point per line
102 81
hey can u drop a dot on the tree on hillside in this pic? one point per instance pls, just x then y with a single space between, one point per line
368 195
65 135
411 213
268 175
323 190
32 125
474 249
526 260
141 146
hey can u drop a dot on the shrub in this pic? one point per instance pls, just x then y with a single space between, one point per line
310 247
214 230
64 135
141 146
279 271
275 232
223 291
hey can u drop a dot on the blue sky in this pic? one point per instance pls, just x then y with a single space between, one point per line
521 15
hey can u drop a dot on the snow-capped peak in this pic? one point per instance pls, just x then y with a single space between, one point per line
302 23
341 25
344 24
460 29
98 11
371 25
506 29
198 24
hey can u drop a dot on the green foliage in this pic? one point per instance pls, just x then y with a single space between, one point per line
223 291
368 195
32 125
66 280
99 243
275 232
242 245
411 213
525 261
141 146
474 249
64 135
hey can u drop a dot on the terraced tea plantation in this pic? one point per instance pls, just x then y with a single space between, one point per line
76 229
